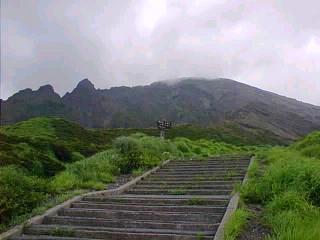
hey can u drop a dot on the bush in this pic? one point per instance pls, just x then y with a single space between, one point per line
19 192
130 154
91 173
76 156
62 152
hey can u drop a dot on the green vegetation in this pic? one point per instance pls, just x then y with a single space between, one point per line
236 224
227 132
178 191
43 161
195 201
62 232
289 188
42 146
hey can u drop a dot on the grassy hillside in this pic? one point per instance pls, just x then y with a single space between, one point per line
44 145
45 160
289 189
227 132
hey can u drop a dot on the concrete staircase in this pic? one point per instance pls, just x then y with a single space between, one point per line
183 200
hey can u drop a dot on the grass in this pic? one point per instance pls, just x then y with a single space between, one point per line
227 132
43 146
23 193
236 224
42 160
62 232
178 191
289 189
40 209
194 201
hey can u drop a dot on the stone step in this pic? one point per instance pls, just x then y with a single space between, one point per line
210 160
188 183
158 201
203 169
183 200
210 165
189 186
46 237
117 233
178 191
150 215
202 162
200 174
195 178
76 221
131 207
176 197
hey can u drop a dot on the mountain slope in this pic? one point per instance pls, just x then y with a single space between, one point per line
198 101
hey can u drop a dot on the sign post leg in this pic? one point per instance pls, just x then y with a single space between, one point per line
162 133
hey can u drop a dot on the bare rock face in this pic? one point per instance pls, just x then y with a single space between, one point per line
191 100
27 104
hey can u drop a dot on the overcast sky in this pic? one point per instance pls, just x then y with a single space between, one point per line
270 44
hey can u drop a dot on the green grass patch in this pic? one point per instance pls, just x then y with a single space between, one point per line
194 201
178 191
236 224
289 189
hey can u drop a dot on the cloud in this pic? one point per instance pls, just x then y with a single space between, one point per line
270 44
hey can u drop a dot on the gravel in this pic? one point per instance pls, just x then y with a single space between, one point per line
122 179
256 229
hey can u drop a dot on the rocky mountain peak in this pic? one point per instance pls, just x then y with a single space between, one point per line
46 89
85 84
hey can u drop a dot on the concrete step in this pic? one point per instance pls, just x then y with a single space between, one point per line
186 183
76 221
216 197
204 162
117 234
183 200
131 207
210 160
203 169
46 237
158 201
179 191
200 174
188 186
142 215
196 178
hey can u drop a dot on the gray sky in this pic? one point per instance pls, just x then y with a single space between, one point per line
270 44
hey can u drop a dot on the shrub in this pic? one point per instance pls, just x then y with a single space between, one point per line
62 152
19 192
130 154
90 173
76 156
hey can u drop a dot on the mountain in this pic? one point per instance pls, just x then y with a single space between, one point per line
191 100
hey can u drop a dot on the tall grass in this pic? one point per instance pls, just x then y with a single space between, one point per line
289 189
236 224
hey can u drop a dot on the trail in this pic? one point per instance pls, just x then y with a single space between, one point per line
185 200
